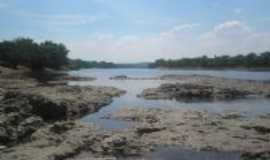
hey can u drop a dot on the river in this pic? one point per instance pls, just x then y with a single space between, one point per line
250 106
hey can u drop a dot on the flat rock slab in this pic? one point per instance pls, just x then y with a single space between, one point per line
194 92
198 130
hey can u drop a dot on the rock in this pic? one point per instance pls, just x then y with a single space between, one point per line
146 129
119 77
265 116
121 145
64 102
39 105
261 155
60 127
46 144
28 126
232 115
23 112
4 137
196 129
251 86
190 91
259 128
2 147
74 78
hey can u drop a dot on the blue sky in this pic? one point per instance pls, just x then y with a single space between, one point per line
141 30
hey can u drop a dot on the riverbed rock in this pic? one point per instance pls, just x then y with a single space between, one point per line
198 130
258 155
253 86
24 111
119 77
189 91
74 101
46 144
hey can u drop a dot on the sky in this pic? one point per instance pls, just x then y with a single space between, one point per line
141 30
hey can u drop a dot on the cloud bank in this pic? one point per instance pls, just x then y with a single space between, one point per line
231 37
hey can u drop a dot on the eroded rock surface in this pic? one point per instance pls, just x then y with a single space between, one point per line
189 91
23 112
257 87
69 139
199 130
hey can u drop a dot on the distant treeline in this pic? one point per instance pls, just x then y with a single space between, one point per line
251 60
78 64
37 56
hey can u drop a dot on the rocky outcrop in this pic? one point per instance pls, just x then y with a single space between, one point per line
189 91
68 139
56 141
23 112
253 86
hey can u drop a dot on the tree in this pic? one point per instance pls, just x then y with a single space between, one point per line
224 61
26 52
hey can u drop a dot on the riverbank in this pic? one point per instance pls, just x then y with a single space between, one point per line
40 120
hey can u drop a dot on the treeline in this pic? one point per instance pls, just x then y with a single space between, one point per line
37 56
78 64
251 60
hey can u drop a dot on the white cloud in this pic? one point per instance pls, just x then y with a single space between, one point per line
231 26
179 29
231 37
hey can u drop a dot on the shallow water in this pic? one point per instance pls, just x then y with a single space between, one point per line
251 107
171 153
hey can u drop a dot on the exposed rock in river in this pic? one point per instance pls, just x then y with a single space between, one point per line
22 112
119 77
198 130
257 87
189 91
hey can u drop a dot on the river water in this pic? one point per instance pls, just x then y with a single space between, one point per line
251 106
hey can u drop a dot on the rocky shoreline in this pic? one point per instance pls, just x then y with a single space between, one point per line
28 106
39 120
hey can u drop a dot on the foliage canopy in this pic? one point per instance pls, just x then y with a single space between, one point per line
37 56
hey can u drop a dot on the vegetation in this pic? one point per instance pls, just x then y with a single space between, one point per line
37 56
251 60
78 64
